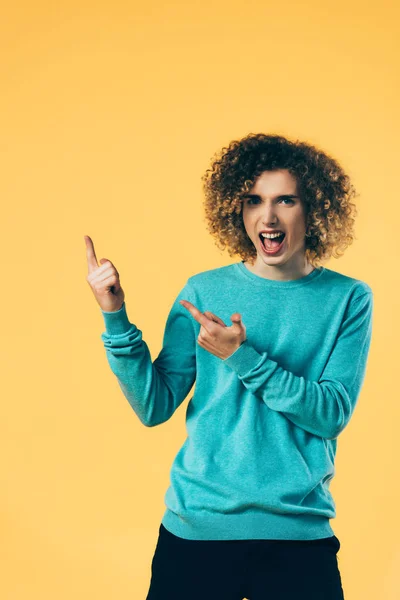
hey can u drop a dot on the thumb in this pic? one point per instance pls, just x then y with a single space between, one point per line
237 319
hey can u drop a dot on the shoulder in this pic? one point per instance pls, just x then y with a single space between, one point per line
211 279
346 285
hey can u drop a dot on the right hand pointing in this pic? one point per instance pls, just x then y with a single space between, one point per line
104 280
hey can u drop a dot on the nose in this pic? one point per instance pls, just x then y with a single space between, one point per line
269 216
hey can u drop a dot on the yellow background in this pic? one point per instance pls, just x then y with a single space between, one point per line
110 113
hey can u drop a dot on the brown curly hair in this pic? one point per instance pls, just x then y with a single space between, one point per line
324 188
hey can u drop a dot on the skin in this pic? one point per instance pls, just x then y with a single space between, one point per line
268 211
214 335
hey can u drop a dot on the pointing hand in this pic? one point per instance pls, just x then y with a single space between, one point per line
103 280
215 336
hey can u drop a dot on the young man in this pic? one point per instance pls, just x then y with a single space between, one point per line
278 347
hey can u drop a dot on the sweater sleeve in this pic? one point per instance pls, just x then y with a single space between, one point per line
153 389
322 407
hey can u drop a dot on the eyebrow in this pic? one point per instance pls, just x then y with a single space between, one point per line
280 196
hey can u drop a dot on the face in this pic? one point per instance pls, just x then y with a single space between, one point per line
274 203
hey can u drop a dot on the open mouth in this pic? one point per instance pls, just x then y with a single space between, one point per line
271 246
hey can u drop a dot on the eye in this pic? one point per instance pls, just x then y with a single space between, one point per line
250 200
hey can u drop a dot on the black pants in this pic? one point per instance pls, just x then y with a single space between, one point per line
184 569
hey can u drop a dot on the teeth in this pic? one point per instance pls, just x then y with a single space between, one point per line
271 235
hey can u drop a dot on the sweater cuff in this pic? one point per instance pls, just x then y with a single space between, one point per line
117 322
244 359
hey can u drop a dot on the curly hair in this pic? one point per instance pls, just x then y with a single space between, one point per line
324 188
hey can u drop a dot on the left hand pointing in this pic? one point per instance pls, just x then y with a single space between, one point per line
215 336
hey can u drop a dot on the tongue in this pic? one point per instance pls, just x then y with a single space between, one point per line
274 243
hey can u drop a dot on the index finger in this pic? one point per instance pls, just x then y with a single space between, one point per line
90 255
197 314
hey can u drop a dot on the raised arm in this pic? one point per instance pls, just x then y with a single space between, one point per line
153 389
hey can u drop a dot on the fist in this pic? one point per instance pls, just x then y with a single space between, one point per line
103 280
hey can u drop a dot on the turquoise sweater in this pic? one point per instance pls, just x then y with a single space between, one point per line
262 425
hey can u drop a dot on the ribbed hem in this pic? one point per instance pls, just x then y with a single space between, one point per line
244 358
117 322
251 525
